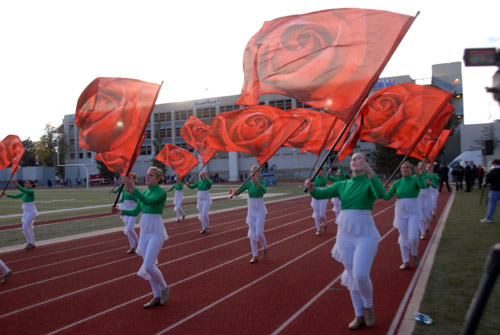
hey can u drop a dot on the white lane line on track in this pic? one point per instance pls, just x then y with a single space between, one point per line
119 248
215 303
324 290
130 274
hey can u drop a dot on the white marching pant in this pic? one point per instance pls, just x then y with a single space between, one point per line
178 198
336 206
255 220
408 226
151 245
29 215
203 206
129 222
3 268
319 211
425 207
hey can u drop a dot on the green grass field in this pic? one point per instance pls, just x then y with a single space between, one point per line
457 270
76 201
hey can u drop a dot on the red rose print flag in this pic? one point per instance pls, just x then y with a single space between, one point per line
423 147
313 134
328 59
11 152
438 145
178 159
398 116
112 114
195 133
258 130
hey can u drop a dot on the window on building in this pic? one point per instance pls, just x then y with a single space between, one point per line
80 155
169 132
72 155
89 155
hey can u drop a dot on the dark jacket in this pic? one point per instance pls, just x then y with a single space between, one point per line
493 178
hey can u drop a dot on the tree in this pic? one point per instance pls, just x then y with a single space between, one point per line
104 171
46 147
387 160
487 133
29 158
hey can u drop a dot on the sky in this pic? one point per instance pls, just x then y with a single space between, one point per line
51 50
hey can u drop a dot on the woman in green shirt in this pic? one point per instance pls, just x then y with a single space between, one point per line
178 197
406 212
319 205
127 201
257 211
153 233
357 236
204 184
29 209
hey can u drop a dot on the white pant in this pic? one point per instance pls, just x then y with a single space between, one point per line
151 244
336 206
29 215
178 198
255 219
408 225
319 211
203 206
129 222
3 268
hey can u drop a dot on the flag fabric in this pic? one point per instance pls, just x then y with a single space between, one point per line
438 145
398 116
11 152
178 159
258 130
195 133
328 59
424 146
115 161
312 135
112 114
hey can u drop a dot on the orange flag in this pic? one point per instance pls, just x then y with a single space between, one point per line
398 116
328 59
195 133
112 114
438 145
11 152
422 149
258 130
312 135
178 159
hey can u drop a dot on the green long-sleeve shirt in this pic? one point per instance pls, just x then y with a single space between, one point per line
406 187
202 185
424 176
125 195
254 191
320 181
150 201
337 178
177 187
28 194
359 192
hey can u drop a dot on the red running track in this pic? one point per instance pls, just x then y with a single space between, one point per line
90 286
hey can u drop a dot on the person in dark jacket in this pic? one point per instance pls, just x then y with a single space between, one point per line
493 179
443 176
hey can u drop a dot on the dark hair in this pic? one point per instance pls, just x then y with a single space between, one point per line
31 182
496 161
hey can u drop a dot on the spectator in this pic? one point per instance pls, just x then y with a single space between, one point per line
480 175
493 179
443 176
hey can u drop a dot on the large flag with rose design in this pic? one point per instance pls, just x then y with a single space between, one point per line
178 159
426 143
316 134
438 145
112 115
195 133
397 117
328 59
11 152
258 130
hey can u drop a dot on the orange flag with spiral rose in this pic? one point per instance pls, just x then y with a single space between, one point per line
11 152
194 132
398 116
112 114
438 145
315 133
424 146
328 59
258 130
178 159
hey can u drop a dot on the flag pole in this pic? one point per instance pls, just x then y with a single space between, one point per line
134 155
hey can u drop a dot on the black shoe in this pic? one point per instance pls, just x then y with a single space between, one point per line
6 277
131 251
153 303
